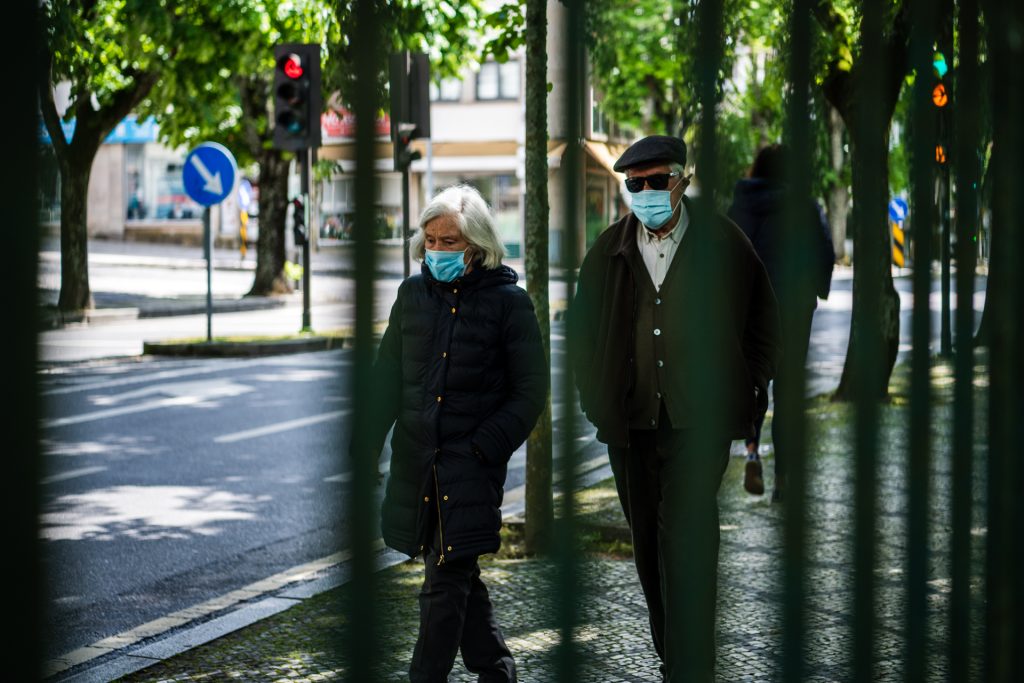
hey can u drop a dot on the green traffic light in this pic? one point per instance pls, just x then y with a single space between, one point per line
939 64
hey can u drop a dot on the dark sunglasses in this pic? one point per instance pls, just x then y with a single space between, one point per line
657 181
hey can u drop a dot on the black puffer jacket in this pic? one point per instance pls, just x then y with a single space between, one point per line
462 369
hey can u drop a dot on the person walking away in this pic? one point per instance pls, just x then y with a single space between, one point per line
462 375
757 207
632 328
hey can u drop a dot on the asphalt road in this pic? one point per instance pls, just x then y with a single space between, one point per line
170 482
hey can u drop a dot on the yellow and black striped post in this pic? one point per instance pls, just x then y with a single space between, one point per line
899 249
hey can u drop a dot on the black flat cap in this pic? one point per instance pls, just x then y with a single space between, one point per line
651 149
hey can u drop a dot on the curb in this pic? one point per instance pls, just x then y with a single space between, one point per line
226 349
52 319
606 532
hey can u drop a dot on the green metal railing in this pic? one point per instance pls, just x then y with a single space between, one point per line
362 632
567 656
992 96
920 456
792 376
19 188
1004 20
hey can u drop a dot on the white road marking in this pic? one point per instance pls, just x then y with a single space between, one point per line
136 379
208 366
346 477
280 427
73 474
180 394
126 410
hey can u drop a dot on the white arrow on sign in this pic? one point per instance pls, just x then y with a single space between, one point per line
212 185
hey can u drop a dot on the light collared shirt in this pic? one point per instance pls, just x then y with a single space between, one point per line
659 252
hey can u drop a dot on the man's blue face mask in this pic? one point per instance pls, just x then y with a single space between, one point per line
445 266
654 208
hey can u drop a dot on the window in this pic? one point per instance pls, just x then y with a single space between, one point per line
598 119
450 90
502 194
171 201
498 81
337 207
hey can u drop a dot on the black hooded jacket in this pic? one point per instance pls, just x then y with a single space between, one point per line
757 208
462 369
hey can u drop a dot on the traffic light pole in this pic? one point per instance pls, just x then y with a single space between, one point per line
946 131
208 251
303 159
946 337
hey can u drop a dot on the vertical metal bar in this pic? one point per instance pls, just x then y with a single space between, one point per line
799 266
361 637
688 636
21 488
405 218
567 654
1005 21
944 37
924 139
945 333
968 177
869 210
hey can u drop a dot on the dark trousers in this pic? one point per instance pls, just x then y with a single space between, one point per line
668 487
795 352
456 614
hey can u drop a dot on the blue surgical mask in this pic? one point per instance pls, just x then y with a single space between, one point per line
653 207
445 266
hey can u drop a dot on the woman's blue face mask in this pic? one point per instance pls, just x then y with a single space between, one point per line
445 266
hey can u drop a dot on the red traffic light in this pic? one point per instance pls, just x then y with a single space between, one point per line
939 95
291 64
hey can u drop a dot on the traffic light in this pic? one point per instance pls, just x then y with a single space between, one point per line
297 100
941 93
299 223
410 104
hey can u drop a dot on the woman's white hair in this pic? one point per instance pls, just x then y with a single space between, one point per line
468 208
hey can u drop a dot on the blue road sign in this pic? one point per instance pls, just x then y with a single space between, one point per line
898 210
209 174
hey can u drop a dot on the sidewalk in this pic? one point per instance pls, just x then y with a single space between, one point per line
299 643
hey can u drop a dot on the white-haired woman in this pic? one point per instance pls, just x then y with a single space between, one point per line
461 374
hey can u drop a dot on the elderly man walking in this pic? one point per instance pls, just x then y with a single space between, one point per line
639 336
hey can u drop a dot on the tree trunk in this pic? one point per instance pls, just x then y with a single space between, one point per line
75 295
838 195
270 256
539 504
871 246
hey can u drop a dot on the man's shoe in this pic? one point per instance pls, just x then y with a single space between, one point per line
753 482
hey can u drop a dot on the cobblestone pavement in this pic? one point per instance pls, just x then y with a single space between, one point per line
614 642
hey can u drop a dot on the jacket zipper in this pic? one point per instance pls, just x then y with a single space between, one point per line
632 352
440 526
437 428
